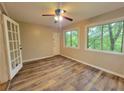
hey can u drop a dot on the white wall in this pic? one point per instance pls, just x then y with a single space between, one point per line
110 62
38 41
3 62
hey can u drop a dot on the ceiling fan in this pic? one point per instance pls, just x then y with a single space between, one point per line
58 16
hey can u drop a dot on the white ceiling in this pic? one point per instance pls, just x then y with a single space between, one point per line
32 12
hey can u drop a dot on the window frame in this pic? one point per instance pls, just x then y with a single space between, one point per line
102 23
69 30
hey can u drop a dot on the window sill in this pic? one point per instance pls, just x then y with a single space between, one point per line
105 52
72 47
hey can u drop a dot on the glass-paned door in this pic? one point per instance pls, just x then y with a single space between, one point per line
13 45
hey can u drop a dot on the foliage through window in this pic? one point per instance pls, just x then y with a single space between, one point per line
108 37
71 39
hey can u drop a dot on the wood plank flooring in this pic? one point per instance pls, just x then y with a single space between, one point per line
62 74
4 86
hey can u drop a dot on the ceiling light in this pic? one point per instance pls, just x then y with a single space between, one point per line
62 11
58 18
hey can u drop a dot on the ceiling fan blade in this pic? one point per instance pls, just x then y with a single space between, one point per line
68 18
48 15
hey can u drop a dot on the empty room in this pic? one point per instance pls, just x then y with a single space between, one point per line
61 46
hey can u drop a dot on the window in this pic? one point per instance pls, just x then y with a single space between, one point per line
71 39
107 37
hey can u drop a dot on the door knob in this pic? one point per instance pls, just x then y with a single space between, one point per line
20 48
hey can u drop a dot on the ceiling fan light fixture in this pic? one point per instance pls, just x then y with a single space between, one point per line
58 18
62 11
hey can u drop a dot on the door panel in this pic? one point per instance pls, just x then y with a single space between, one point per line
13 45
56 43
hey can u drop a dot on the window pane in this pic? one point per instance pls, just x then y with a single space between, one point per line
117 31
74 39
106 38
94 37
68 39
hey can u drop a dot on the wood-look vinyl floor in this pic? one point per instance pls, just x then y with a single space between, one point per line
62 74
4 86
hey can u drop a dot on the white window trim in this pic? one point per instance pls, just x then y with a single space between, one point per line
67 30
100 23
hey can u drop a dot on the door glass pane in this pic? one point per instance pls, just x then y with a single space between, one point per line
12 27
14 45
10 35
16 53
12 55
13 36
13 65
11 45
8 25
16 29
17 37
17 45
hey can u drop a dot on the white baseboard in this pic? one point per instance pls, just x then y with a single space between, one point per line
102 69
34 59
